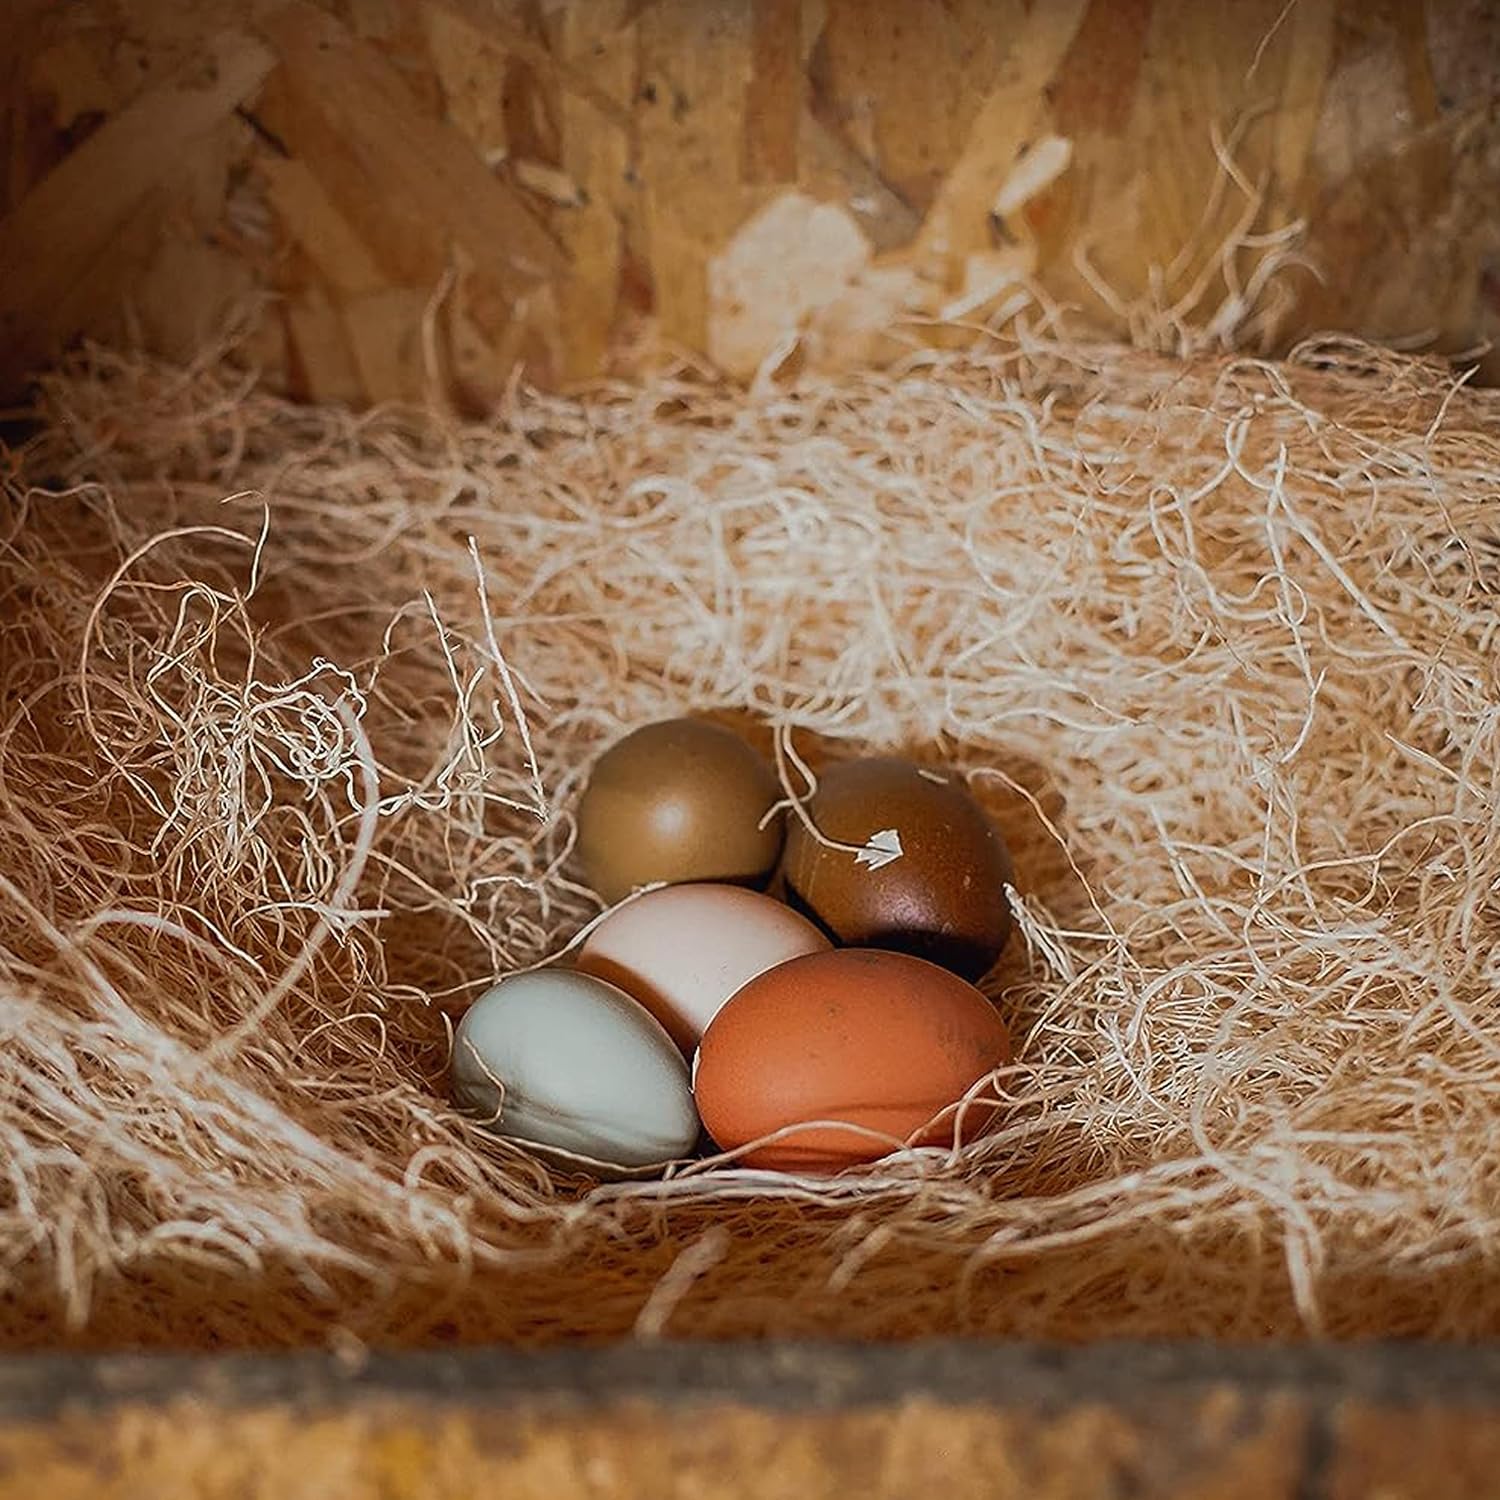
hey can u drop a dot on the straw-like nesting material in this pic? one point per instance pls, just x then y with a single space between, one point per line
283 777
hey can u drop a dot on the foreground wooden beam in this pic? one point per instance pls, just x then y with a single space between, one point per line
951 1419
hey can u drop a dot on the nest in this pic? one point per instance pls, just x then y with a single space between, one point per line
295 706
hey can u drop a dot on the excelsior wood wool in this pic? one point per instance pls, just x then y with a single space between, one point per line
283 780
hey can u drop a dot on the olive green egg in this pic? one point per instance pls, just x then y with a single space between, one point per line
681 800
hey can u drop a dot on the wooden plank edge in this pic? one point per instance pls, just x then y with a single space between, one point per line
1191 1422
795 1376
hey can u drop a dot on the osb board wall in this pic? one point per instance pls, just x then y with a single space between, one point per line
414 195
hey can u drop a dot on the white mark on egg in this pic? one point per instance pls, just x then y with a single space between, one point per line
880 849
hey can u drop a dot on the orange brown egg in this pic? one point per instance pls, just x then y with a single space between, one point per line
857 1051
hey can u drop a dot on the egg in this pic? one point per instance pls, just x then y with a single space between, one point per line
860 1039
682 951
941 898
683 800
569 1061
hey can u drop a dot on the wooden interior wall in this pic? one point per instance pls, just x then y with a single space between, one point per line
412 195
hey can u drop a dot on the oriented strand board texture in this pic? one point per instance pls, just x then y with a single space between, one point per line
436 190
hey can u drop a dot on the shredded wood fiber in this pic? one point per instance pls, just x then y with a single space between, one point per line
284 780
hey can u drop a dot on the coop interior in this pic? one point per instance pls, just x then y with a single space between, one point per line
1089 402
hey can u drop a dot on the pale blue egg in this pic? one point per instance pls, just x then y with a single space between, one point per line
569 1061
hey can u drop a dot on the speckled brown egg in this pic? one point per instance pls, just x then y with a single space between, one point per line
682 800
843 1057
942 898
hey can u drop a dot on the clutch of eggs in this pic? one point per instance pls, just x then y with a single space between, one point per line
805 1056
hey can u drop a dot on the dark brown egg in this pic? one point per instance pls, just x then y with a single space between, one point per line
942 898
677 801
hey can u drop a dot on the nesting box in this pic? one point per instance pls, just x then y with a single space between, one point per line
408 399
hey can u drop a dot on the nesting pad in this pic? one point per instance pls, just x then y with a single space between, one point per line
295 706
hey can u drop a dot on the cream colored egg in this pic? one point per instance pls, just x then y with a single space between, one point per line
684 950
